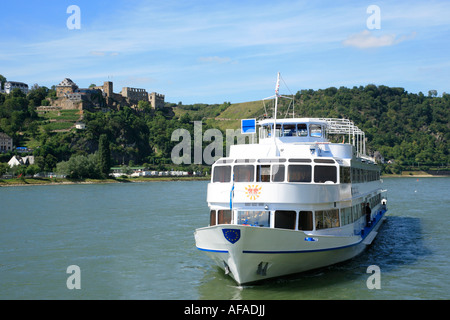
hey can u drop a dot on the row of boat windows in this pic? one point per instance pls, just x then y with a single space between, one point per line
356 175
291 173
293 220
292 130
275 173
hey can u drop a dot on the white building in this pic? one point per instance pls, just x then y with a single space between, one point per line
9 86
80 125
19 161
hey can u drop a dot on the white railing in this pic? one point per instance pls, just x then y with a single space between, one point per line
346 127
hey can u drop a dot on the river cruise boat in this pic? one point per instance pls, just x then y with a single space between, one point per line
294 201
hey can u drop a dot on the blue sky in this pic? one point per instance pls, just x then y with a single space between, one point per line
215 51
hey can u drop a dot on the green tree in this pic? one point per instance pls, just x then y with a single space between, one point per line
40 162
104 158
144 106
36 95
2 82
50 162
4 168
32 169
80 167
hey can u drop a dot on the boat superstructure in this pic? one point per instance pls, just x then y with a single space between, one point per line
305 196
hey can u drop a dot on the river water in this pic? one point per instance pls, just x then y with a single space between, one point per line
135 241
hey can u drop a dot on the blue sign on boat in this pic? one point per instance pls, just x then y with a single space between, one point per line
232 235
248 126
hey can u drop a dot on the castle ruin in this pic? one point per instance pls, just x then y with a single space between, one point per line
70 96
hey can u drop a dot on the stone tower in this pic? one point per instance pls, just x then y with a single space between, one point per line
108 88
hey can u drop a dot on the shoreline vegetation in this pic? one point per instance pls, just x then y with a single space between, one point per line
404 131
65 181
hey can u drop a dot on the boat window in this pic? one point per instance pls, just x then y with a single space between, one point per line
302 130
346 216
357 175
345 174
300 160
245 160
373 175
323 174
212 218
272 160
278 130
266 131
299 173
244 173
358 211
327 219
254 218
225 161
315 130
285 219
324 161
362 209
222 174
305 221
263 173
278 173
224 216
289 130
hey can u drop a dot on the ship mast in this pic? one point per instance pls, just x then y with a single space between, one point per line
277 95
277 89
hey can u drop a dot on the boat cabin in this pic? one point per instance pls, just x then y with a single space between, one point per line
293 130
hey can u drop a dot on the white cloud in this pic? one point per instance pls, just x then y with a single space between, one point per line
366 39
98 53
104 53
215 59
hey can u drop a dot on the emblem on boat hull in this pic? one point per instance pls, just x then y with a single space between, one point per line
253 191
232 235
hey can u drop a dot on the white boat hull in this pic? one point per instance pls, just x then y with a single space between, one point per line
253 254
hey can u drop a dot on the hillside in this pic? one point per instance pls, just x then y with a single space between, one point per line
411 130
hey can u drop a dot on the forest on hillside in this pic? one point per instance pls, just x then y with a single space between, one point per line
407 128
411 130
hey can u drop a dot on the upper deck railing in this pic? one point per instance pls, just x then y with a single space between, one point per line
313 130
346 127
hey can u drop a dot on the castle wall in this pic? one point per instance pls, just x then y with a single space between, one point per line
156 100
134 93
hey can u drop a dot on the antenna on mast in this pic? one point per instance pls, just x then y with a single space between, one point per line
276 96
277 89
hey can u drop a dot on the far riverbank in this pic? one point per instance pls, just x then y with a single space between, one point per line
62 181
418 174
